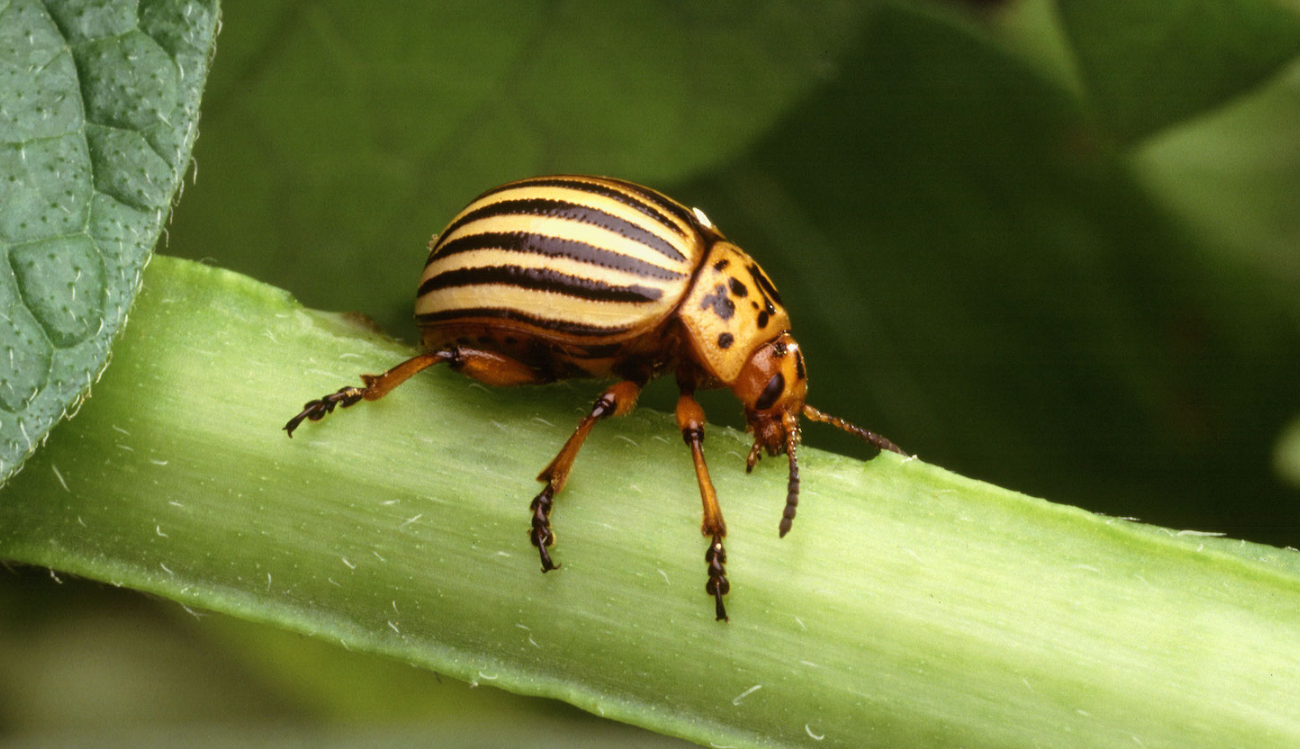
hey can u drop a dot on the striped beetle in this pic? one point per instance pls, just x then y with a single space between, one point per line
569 276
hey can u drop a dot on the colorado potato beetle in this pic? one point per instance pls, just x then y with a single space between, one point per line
570 276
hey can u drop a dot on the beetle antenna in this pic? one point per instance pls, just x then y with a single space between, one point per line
792 490
871 438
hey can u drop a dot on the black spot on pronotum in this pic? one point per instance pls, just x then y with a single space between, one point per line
770 393
725 340
798 365
737 287
721 304
780 349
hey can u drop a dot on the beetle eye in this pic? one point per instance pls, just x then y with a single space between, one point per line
770 393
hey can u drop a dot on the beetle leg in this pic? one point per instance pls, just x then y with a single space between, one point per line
376 387
616 401
497 370
690 419
755 453
485 366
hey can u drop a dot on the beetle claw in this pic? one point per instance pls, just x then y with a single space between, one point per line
717 586
541 535
316 410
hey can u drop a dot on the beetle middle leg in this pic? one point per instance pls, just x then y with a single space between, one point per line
618 400
690 419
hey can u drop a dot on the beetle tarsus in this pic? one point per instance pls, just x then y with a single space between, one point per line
541 535
317 409
376 386
717 586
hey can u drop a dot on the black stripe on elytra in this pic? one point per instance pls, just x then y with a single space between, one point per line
762 280
540 244
661 200
499 313
541 279
597 188
564 209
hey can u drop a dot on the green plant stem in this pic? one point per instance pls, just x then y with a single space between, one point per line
908 607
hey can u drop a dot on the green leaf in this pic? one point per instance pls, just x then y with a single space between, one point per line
100 111
1234 177
1148 65
909 606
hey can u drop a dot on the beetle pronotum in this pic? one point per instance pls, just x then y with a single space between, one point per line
570 276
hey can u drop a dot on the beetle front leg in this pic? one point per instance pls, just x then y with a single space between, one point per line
616 401
690 419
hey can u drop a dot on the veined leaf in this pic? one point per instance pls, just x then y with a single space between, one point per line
100 109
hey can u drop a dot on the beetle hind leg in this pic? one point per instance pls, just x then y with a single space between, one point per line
618 400
485 366
376 387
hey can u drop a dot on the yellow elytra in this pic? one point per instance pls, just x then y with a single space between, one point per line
573 276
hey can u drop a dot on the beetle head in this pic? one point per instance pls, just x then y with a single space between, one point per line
773 386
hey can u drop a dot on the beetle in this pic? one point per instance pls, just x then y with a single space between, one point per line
572 276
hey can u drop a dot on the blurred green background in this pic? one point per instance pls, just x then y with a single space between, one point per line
1051 246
